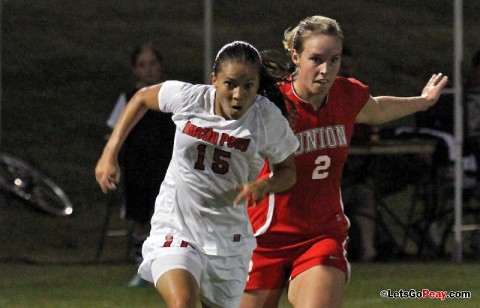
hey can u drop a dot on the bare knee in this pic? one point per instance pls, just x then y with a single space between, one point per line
180 302
178 288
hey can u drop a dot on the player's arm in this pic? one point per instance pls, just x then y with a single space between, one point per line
107 171
283 177
382 109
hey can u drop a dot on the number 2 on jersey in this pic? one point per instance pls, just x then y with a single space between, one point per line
322 163
219 164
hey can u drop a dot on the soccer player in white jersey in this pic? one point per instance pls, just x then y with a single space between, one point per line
201 239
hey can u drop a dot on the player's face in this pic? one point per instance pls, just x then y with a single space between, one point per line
318 65
236 85
148 69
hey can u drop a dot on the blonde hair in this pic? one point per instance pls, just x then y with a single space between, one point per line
314 25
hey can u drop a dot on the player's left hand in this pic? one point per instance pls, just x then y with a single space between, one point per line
432 90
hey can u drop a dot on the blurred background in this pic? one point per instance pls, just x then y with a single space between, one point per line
64 63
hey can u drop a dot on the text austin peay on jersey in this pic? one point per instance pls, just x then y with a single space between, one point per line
207 134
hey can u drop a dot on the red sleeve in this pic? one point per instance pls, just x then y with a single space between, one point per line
350 94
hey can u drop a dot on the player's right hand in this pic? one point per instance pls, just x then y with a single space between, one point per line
107 174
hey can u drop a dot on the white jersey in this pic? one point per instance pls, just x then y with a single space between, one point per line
117 110
212 155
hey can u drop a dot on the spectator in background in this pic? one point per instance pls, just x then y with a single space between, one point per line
472 93
146 152
358 194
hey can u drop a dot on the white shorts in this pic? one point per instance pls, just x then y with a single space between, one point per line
221 279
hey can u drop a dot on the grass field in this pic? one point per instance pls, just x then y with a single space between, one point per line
104 285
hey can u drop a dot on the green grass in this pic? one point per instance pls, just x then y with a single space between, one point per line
368 280
105 285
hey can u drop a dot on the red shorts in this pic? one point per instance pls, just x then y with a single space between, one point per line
275 263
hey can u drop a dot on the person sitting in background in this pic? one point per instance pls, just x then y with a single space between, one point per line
147 150
472 82
472 92
471 89
358 194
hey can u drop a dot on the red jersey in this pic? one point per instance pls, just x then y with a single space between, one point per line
314 206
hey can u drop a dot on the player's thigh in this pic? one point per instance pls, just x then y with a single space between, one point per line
270 268
319 286
319 274
223 280
261 298
178 287
177 275
269 272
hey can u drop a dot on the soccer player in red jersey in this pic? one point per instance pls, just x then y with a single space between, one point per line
302 233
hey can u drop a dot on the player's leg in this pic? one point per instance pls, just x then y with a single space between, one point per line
320 274
269 271
261 298
319 286
174 266
223 280
178 288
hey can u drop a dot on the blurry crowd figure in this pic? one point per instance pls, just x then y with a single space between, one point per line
358 194
472 82
437 124
472 96
146 152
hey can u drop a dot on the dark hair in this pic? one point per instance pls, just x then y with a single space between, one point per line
237 52
153 46
277 64
243 52
278 68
